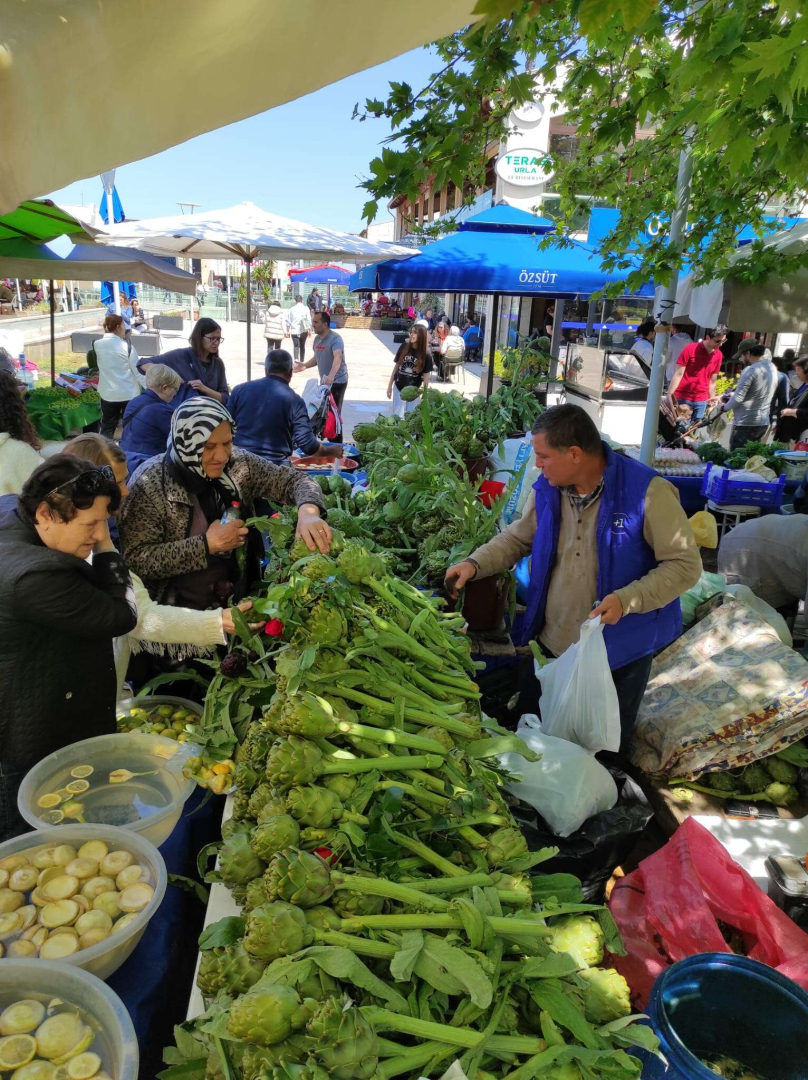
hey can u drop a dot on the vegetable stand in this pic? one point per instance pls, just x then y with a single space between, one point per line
57 420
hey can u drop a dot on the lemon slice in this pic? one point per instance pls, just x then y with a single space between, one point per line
81 771
35 1070
17 1050
48 801
77 787
52 817
83 1067
22 1017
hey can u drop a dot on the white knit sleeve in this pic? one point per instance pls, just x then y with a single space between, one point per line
175 625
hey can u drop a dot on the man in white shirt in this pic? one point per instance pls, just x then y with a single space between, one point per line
676 343
298 326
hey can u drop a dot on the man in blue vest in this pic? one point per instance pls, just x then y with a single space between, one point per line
607 536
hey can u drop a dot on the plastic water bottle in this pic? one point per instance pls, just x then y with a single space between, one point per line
26 376
233 513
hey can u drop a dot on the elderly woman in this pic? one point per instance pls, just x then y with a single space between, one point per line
147 420
161 630
171 526
58 617
199 366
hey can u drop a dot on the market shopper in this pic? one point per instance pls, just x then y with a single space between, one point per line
298 326
119 380
694 381
19 442
751 401
271 420
329 358
147 419
315 302
794 419
58 617
199 366
413 366
608 537
274 327
161 629
171 527
769 554
452 352
138 320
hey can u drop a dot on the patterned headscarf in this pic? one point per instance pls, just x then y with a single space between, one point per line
191 427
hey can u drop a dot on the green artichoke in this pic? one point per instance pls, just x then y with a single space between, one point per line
256 744
274 834
356 563
365 433
298 877
241 805
318 567
237 862
781 794
263 796
276 929
299 550
254 894
268 1013
329 661
722 781
317 807
505 844
754 778
344 1042
326 624
782 771
342 786
579 935
274 808
304 715
606 997
440 735
476 448
229 968
322 917
410 393
246 776
347 903
293 761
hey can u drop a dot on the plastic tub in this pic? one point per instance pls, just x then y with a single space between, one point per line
720 1003
752 492
154 701
795 463
131 750
108 955
51 979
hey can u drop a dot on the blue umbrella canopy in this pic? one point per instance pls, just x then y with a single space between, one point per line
496 251
325 274
126 289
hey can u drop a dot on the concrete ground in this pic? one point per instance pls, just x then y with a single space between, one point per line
369 355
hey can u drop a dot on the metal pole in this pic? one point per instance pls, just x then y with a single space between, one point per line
249 324
492 344
71 306
19 297
52 333
666 305
555 340
227 271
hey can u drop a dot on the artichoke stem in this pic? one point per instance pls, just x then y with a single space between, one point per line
386 708
383 1019
412 1059
391 890
438 861
390 764
452 884
422 796
391 598
388 735
470 835
504 927
379 950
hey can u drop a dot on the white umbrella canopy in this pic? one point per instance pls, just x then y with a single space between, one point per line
778 304
244 232
162 59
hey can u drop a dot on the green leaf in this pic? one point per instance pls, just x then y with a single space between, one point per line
505 744
189 1070
566 888
187 1045
189 885
402 964
552 966
614 943
203 858
242 626
227 931
533 858
453 971
560 1007
344 965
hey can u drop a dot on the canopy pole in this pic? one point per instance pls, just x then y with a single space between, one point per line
52 333
666 306
249 323
19 297
227 273
492 344
555 340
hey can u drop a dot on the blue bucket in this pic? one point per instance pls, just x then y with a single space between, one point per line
720 1003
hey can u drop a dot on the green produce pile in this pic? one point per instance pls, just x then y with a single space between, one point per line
719 455
772 779
41 394
390 923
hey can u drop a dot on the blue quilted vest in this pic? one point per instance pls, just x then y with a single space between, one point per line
623 556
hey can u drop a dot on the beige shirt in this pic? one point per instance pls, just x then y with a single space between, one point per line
572 590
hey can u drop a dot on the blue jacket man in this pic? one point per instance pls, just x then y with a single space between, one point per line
147 418
607 536
271 420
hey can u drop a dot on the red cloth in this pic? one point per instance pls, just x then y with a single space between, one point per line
700 365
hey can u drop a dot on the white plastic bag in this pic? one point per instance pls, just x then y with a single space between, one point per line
567 785
770 614
578 698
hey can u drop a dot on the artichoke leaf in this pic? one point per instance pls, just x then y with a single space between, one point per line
346 966
450 969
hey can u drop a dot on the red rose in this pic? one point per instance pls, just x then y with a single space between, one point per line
274 628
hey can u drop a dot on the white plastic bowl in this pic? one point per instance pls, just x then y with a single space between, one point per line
131 750
125 705
54 978
108 955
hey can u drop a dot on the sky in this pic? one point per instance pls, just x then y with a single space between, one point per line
302 160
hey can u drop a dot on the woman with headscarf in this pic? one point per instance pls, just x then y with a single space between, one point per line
171 528
199 366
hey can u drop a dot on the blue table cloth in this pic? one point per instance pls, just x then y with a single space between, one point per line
155 982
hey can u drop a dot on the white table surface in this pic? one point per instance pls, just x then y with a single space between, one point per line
751 842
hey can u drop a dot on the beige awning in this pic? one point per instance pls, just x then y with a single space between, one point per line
88 85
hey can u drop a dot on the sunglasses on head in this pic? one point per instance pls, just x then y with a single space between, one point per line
89 482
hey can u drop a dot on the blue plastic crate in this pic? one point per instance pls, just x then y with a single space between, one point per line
717 486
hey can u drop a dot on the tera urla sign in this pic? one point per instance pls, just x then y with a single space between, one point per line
523 167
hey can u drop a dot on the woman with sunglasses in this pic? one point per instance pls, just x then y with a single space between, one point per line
171 523
161 630
199 366
58 617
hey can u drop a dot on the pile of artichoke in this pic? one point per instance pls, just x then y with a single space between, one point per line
390 922
773 779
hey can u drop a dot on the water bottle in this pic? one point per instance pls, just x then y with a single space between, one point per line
233 513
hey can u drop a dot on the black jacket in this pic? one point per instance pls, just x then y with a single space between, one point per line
58 616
